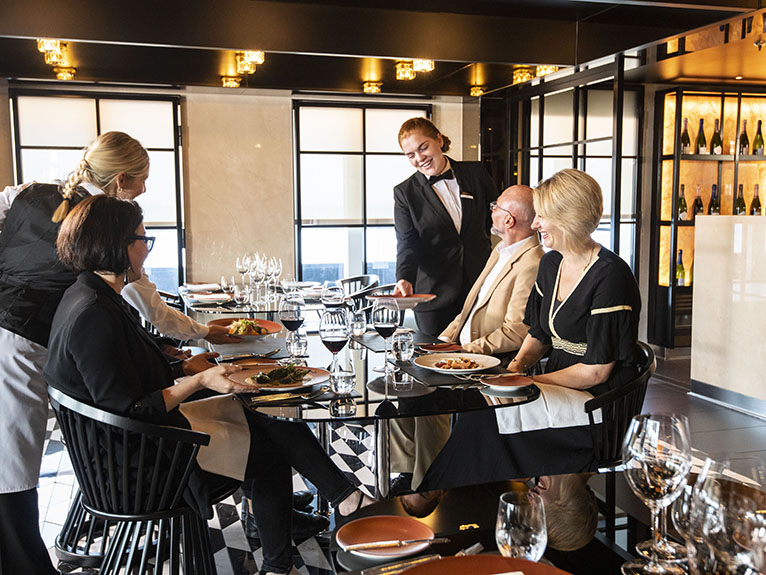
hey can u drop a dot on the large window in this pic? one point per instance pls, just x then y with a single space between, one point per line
347 163
52 130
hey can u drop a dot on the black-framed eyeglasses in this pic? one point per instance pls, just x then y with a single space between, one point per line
148 240
493 206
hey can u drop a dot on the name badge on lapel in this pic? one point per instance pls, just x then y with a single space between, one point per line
466 197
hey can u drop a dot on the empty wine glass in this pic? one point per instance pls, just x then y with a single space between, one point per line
240 295
334 332
227 286
242 267
520 530
332 295
291 315
657 458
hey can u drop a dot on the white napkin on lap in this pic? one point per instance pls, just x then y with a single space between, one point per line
557 406
203 287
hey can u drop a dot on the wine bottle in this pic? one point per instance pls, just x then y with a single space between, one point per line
682 215
758 141
744 141
716 144
700 145
740 209
697 207
680 273
686 143
714 205
755 205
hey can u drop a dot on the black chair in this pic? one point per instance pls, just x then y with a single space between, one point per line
617 407
133 475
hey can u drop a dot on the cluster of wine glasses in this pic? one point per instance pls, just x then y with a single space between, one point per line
258 273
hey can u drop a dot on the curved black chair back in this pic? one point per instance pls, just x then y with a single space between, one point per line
352 285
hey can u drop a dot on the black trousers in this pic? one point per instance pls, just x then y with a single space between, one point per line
22 550
277 447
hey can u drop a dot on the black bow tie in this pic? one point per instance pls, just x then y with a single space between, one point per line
448 175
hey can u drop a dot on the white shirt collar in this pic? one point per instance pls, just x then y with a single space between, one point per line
505 252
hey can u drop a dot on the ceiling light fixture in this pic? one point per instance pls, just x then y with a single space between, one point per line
423 65
477 91
48 44
230 81
404 70
55 57
523 74
545 69
372 87
255 56
243 66
65 73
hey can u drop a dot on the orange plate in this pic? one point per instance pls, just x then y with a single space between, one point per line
314 377
481 565
506 381
271 326
384 528
407 302
437 347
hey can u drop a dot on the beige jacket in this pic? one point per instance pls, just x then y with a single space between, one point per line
497 325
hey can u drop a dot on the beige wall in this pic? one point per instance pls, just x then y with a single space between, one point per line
6 145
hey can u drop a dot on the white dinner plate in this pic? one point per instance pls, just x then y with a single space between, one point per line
314 377
429 362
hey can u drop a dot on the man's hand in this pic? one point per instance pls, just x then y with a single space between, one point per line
199 363
404 288
220 334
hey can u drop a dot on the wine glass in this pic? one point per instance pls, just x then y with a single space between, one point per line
227 286
334 332
385 320
291 315
332 295
657 457
242 267
520 530
240 295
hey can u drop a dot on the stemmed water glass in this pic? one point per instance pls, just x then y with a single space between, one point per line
520 529
291 315
334 331
657 457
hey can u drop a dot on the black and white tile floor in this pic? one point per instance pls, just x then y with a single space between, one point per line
235 554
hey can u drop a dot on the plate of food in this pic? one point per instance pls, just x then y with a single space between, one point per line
506 381
248 327
405 302
281 377
384 528
439 347
456 362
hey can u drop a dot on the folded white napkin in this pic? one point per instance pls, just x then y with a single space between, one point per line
203 287
557 406
207 297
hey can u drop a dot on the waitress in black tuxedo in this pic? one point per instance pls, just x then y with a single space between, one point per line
442 220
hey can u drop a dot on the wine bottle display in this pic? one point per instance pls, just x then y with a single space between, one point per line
755 205
744 141
714 206
682 212
697 207
686 142
758 141
740 209
680 273
716 144
700 144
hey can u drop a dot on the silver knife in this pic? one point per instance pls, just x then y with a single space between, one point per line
399 566
394 543
285 396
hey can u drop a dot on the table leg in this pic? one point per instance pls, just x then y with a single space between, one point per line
382 459
323 435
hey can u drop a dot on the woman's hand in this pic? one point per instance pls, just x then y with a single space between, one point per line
403 288
220 334
199 363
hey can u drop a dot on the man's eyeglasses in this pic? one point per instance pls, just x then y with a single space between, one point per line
493 206
148 240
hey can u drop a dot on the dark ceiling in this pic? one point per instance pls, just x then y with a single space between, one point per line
335 46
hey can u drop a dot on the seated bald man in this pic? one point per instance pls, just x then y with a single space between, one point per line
492 319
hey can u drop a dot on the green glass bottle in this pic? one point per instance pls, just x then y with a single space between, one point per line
714 206
744 141
682 211
697 206
686 142
758 142
740 209
680 273
700 144
755 205
716 144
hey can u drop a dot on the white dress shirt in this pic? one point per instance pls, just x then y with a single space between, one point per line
449 194
504 253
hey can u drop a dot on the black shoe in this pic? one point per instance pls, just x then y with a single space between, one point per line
401 485
305 525
302 499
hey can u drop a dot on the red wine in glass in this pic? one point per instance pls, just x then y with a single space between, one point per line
292 322
335 344
385 330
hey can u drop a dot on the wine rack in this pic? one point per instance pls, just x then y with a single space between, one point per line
670 304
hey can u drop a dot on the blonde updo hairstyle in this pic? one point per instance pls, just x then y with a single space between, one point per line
108 156
426 127
572 200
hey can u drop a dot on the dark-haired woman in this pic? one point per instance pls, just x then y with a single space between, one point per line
442 221
99 354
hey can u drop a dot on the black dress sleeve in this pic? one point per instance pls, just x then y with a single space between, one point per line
612 328
534 315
